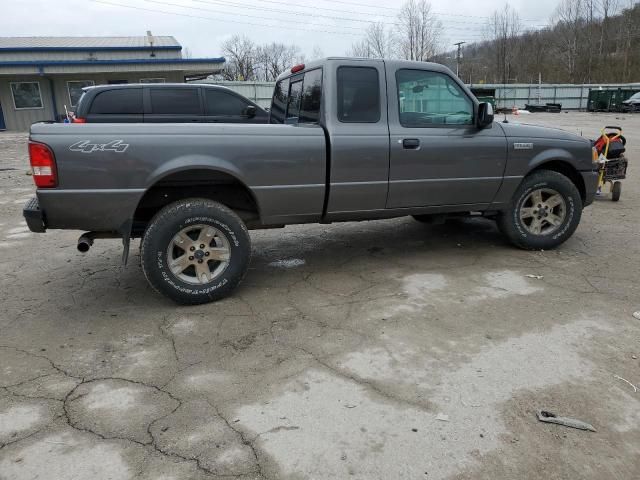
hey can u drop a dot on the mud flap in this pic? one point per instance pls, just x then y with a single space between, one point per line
126 241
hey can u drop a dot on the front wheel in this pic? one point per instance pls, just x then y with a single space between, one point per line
195 251
616 191
544 212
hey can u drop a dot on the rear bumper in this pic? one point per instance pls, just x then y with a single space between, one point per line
590 186
34 216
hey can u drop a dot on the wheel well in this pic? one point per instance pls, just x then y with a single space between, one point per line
214 185
568 171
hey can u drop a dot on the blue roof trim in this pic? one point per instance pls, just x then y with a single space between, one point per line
60 63
86 49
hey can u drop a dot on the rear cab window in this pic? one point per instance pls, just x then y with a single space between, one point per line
311 97
298 99
358 95
293 105
120 101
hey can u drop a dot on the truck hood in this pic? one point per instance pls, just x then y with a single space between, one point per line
523 130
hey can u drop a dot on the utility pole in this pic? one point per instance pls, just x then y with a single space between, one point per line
459 45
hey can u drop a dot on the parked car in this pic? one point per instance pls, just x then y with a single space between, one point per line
349 139
166 103
632 104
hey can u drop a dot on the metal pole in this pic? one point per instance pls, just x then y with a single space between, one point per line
459 45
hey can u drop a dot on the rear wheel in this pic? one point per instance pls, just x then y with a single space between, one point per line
616 191
544 212
195 251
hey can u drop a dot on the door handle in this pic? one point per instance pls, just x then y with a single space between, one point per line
411 143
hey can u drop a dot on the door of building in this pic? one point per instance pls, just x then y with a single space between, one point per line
2 125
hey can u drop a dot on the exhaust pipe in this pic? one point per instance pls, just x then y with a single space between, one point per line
86 239
84 242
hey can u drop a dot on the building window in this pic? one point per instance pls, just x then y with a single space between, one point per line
152 80
26 95
75 90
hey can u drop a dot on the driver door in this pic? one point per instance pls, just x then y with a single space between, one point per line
438 156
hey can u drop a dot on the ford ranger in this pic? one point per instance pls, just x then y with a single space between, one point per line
348 140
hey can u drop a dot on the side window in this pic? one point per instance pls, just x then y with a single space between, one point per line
223 103
293 104
358 95
279 102
176 101
311 97
118 101
431 98
74 88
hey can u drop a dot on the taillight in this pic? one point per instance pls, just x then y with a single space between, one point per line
43 165
79 120
297 68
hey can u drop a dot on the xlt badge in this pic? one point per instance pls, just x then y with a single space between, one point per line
523 146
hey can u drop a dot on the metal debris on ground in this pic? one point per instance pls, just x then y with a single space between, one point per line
549 417
635 389
537 277
442 417
636 314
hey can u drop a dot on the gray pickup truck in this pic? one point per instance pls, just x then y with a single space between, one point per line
348 140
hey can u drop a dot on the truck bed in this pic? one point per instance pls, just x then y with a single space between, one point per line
108 167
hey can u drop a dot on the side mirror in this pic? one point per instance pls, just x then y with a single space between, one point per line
485 115
250 111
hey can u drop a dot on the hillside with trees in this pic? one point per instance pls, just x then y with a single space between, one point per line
584 41
588 41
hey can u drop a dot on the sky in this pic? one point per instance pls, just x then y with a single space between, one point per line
319 26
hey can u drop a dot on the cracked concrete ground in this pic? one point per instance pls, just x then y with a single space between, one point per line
373 350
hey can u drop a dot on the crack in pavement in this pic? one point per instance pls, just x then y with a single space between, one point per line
153 442
55 366
242 436
369 385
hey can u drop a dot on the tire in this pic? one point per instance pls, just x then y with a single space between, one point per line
616 191
214 270
537 231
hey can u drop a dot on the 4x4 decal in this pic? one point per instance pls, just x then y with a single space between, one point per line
86 146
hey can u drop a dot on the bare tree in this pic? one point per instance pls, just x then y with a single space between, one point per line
607 8
504 28
360 49
569 17
630 31
240 58
375 44
274 58
317 52
418 31
379 40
